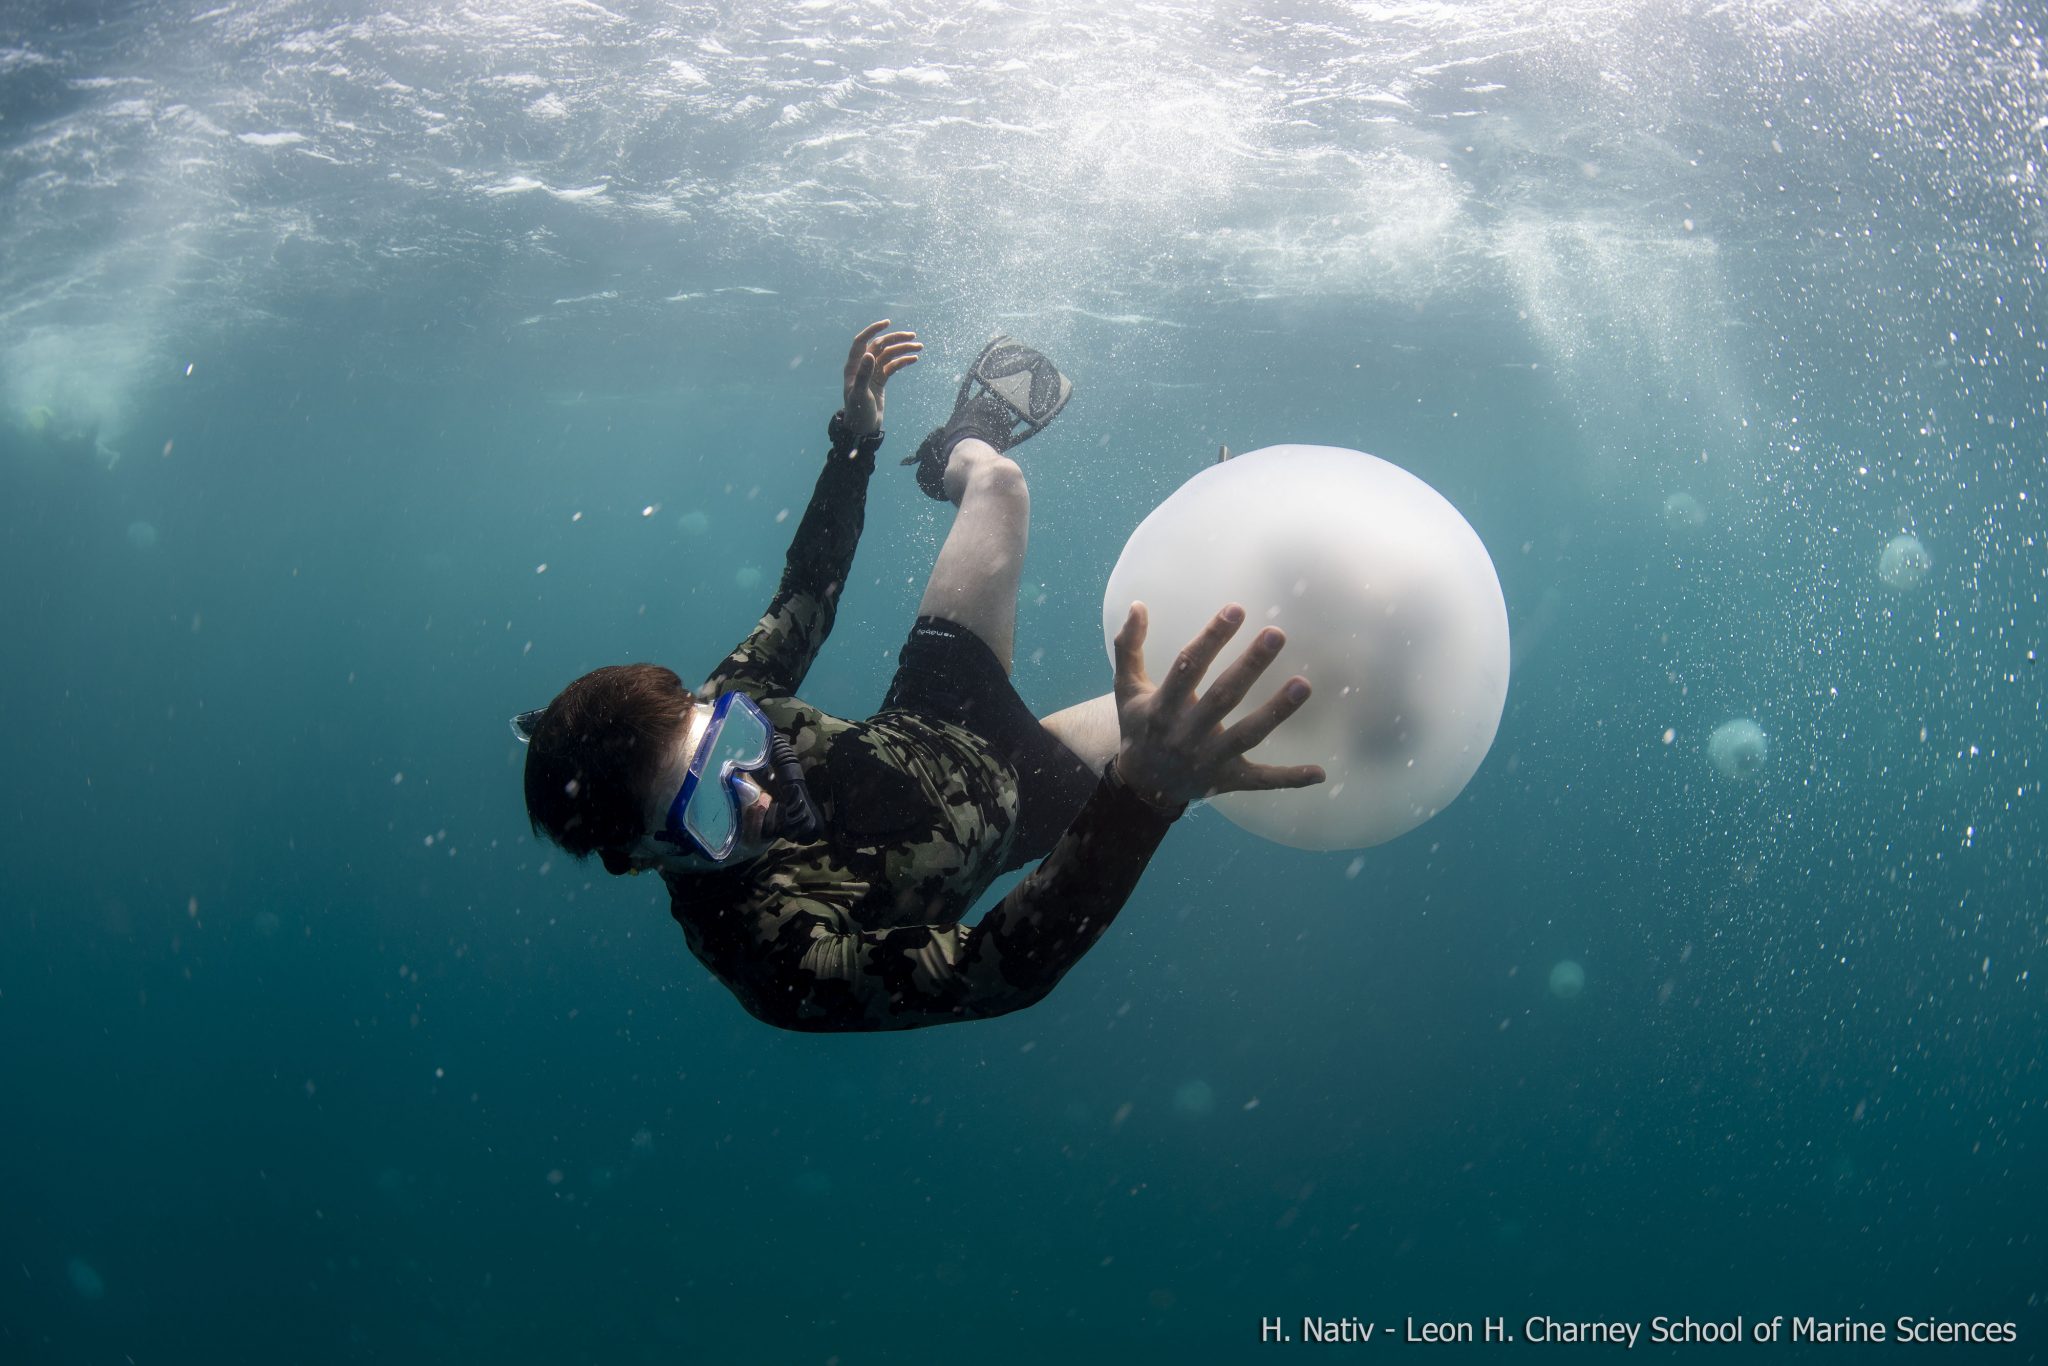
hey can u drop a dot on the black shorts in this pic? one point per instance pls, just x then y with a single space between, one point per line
948 673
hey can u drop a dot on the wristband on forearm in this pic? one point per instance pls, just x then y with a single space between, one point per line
845 442
1112 775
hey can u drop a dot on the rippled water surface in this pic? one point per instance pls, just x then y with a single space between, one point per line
366 374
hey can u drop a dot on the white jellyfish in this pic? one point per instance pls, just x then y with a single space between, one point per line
1194 1098
1392 611
1738 749
142 535
1567 980
1683 511
85 1281
694 522
747 577
1903 563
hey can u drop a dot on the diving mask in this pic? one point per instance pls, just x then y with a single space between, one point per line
739 755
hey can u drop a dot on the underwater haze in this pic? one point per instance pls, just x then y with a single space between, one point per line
367 372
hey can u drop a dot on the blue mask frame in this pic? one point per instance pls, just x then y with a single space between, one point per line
704 818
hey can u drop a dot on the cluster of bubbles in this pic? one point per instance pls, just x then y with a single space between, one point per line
1738 749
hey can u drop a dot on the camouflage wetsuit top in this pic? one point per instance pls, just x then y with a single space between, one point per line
860 929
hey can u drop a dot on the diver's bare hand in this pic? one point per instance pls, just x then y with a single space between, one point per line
876 355
1175 746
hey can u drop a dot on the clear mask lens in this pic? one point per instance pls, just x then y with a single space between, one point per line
704 818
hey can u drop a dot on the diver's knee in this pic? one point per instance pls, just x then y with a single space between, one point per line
997 476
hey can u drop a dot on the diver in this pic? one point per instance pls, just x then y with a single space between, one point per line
821 867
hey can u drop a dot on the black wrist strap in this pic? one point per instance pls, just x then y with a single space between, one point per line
1115 778
844 442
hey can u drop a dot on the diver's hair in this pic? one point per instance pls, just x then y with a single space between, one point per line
594 752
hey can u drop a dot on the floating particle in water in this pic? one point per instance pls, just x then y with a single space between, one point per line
84 1279
1567 980
747 577
694 522
1737 749
1194 1098
142 535
1682 510
1903 563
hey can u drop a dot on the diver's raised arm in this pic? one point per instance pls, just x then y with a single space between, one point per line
780 649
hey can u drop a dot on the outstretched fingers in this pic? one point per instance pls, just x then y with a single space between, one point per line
859 348
1272 777
894 355
1251 730
1234 684
1130 654
1196 656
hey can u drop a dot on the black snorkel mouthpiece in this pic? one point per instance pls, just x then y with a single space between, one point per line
794 815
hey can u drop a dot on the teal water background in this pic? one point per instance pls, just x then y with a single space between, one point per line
324 330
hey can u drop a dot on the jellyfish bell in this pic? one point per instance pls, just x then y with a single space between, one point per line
1567 980
1738 749
1903 563
1392 611
1683 511
1194 1098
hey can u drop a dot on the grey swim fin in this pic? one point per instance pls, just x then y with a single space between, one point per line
1008 396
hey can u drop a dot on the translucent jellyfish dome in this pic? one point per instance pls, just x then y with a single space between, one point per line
1738 749
1567 979
1903 563
1392 611
1683 511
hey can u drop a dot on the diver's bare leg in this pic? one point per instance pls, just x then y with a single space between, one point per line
1089 729
974 581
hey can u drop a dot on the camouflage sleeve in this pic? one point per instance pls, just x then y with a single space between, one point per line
807 975
779 651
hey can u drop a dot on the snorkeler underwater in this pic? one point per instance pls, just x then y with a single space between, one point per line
1418 626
